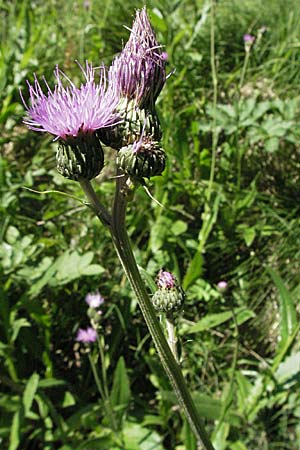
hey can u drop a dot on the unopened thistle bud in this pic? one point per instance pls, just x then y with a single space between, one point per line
134 121
143 159
170 296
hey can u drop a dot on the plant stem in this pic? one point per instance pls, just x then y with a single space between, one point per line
171 333
125 254
215 97
101 212
105 400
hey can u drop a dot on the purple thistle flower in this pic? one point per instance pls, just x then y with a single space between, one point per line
87 336
248 38
165 280
67 112
94 299
222 285
138 73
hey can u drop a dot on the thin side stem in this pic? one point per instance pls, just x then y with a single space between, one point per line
215 97
105 400
100 210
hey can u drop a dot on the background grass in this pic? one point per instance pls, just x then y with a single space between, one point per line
240 352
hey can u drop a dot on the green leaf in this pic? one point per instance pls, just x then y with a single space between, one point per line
213 320
289 368
92 269
159 232
208 407
15 432
120 394
288 316
272 144
17 325
137 437
178 227
29 392
194 270
238 445
188 437
220 438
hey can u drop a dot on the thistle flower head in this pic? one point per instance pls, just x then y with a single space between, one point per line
165 280
139 72
87 336
68 111
248 38
169 296
94 299
142 159
222 285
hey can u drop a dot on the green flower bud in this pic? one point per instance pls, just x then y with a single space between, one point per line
167 300
142 159
80 157
170 296
134 122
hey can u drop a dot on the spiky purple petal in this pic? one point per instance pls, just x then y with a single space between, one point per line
67 111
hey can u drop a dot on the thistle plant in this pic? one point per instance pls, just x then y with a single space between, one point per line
119 111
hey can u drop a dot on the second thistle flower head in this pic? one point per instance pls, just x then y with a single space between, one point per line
139 72
73 115
142 159
169 296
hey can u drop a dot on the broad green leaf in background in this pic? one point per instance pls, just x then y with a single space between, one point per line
137 437
220 439
29 392
208 407
288 316
213 320
120 394
188 437
66 268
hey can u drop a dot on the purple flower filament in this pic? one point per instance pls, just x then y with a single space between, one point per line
66 112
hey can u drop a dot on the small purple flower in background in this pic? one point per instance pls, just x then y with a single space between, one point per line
165 280
138 73
94 299
87 336
248 38
66 112
222 285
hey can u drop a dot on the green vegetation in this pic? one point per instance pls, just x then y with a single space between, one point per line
231 194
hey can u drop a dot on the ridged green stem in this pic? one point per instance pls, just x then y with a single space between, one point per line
171 334
125 254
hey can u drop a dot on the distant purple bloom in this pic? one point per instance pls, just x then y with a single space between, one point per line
166 280
139 73
66 112
87 336
248 38
164 56
222 285
94 299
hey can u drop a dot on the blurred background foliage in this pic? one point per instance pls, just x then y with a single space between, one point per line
240 349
